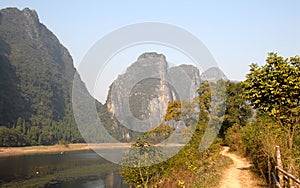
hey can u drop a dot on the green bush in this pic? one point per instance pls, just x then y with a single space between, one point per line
233 138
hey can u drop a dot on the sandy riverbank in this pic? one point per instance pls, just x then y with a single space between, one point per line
14 151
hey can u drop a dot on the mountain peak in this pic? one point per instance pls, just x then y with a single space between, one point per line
30 14
213 74
151 55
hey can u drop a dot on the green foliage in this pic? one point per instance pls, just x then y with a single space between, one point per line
204 101
238 111
158 134
11 137
139 166
188 167
275 87
230 107
181 111
233 138
36 76
64 143
259 141
23 133
173 111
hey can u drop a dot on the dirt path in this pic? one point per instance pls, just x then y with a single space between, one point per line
238 174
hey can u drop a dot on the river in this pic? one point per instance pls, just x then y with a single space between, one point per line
71 169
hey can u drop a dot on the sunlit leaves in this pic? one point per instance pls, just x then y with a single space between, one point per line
274 87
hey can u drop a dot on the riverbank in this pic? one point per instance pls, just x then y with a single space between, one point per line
16 151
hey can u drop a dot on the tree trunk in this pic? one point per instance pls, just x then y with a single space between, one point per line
279 163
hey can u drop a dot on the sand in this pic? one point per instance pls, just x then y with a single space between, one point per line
15 151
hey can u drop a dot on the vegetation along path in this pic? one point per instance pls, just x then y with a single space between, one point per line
238 174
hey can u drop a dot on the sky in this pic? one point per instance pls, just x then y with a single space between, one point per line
237 33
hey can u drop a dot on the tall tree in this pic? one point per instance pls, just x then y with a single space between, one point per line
238 110
274 89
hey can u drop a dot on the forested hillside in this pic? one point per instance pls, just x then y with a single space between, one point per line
36 75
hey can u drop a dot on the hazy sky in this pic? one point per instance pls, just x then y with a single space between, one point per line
237 33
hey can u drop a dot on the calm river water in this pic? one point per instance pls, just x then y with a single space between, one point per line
72 169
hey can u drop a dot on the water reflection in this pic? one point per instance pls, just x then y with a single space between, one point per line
113 180
96 183
73 169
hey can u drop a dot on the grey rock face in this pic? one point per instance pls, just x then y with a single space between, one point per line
139 98
213 74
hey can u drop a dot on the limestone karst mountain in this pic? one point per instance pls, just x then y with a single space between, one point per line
139 97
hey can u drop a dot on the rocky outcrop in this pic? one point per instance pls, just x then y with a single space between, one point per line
187 80
139 97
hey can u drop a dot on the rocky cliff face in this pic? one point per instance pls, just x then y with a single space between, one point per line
139 98
187 79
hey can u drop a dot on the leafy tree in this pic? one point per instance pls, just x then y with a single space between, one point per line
238 110
173 111
274 89
204 101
